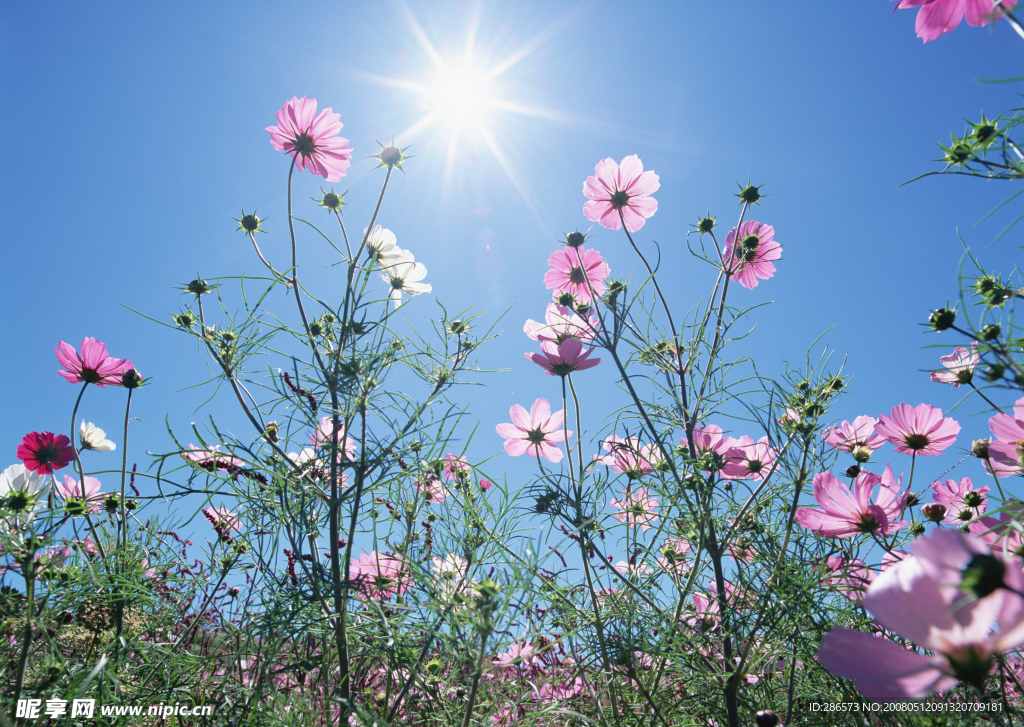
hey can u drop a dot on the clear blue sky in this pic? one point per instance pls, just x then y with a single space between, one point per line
134 132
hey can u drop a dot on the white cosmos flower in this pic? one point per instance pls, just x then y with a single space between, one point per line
382 243
451 580
403 275
22 493
95 438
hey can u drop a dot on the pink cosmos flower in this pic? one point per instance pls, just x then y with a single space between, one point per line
638 508
758 457
311 138
44 452
845 515
88 496
1002 534
575 271
937 17
222 519
1006 452
918 429
561 359
920 599
93 366
621 188
518 653
629 457
455 467
673 553
861 433
849 577
561 323
959 365
432 489
378 575
720 454
211 459
534 433
963 502
748 260
322 437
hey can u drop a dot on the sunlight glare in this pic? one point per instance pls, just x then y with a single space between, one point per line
460 97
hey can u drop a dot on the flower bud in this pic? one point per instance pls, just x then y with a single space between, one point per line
934 511
112 503
852 471
457 328
942 319
234 591
198 287
132 379
332 201
575 239
916 529
565 300
979 448
861 453
705 224
991 332
994 372
766 718
184 320
750 194
913 500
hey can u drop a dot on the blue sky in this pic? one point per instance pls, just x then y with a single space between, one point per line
143 135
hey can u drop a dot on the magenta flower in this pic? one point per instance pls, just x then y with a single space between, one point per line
920 599
93 366
576 271
844 514
638 508
624 189
963 502
918 429
561 359
378 575
748 259
959 365
861 433
561 323
937 17
534 433
44 452
87 496
311 138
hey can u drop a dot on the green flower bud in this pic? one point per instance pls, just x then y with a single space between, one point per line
749 194
991 332
575 239
942 319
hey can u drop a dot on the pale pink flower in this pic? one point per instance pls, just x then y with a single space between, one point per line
1006 453
963 502
719 454
432 489
222 518
850 578
844 515
674 552
561 323
311 139
561 359
631 569
758 457
638 508
378 575
628 456
211 459
322 437
623 188
920 599
937 17
576 271
748 259
455 467
959 365
518 653
93 366
918 429
1002 534
861 433
88 496
534 433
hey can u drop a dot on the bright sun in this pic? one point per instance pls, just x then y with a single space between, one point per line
460 97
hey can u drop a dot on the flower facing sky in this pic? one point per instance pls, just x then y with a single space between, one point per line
78 497
959 365
620 192
937 17
534 433
963 502
322 438
576 271
918 429
311 139
748 258
861 433
637 508
44 452
93 366
561 323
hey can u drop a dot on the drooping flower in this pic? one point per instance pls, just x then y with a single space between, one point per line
918 429
623 188
937 17
748 258
22 492
576 271
923 599
637 506
963 502
78 497
844 514
861 433
211 459
93 366
404 274
561 323
92 437
534 433
311 139
561 359
379 575
959 365
44 452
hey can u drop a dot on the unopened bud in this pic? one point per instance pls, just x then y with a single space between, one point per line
861 453
979 448
132 379
991 332
575 239
852 471
934 511
942 319
766 718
